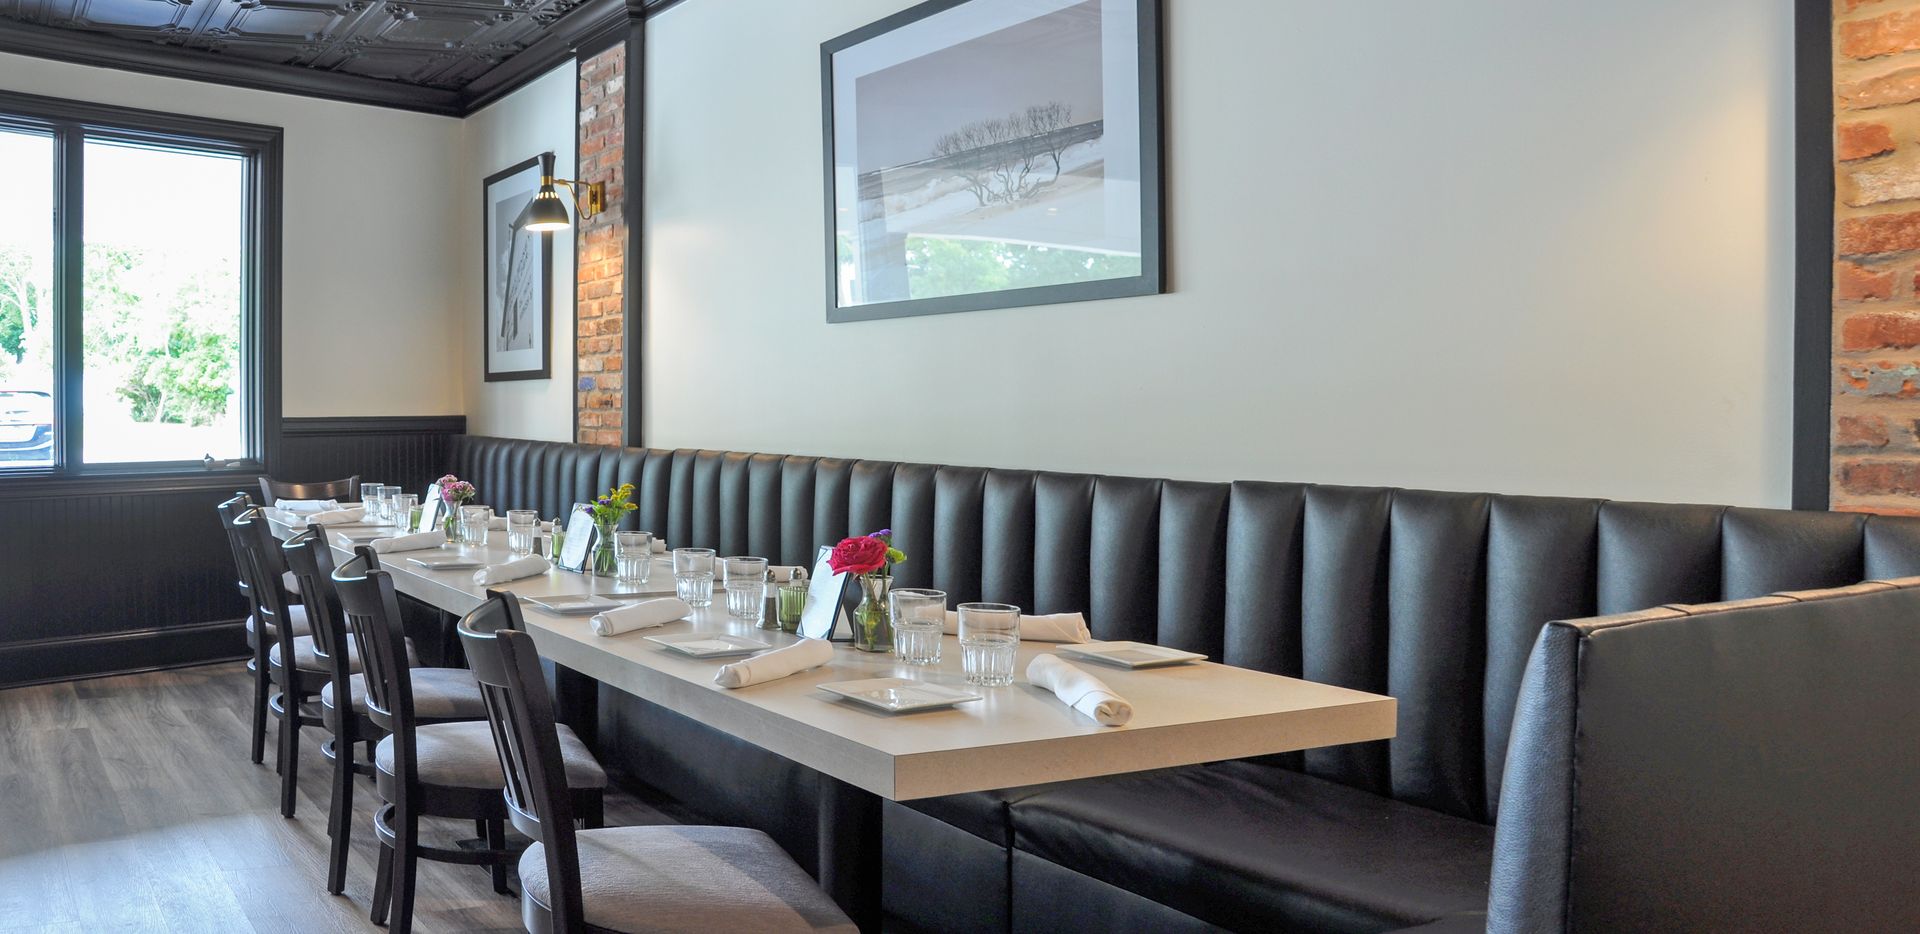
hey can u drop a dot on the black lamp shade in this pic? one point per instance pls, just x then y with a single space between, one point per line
545 211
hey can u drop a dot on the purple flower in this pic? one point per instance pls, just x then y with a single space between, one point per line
883 534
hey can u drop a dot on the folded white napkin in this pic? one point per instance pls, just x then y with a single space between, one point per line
414 542
659 545
1052 627
306 505
338 516
779 663
645 614
1079 690
499 524
512 570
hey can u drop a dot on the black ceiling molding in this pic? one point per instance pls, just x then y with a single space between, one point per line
446 57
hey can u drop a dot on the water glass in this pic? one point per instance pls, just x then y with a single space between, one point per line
693 575
919 616
370 501
989 640
522 527
473 524
747 588
402 506
388 494
633 557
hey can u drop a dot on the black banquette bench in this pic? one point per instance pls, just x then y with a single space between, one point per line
1435 598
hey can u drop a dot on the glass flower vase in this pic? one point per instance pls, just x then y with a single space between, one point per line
451 525
873 618
605 561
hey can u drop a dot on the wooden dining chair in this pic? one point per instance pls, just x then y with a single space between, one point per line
244 527
619 879
294 663
272 490
440 695
445 770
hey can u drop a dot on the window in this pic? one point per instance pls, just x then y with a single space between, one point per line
138 290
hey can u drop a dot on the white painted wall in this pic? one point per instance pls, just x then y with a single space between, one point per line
369 263
1490 245
534 119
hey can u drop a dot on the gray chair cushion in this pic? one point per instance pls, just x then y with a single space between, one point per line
646 879
305 658
297 613
438 694
461 755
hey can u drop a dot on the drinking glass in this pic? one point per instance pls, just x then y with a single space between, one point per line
402 506
919 614
388 493
633 557
791 603
370 501
989 639
747 588
693 575
473 524
522 526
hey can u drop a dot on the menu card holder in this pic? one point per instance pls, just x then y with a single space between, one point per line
429 509
825 615
578 547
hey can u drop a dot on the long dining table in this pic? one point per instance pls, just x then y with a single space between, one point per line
1016 735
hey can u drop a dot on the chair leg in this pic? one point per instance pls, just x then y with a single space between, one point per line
258 741
340 819
382 886
497 842
289 752
406 866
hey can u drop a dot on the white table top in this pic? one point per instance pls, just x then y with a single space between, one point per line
1017 735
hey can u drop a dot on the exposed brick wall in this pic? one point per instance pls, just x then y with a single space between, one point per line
599 287
1876 276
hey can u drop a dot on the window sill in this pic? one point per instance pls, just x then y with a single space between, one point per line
133 478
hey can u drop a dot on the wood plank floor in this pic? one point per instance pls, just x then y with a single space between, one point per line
128 804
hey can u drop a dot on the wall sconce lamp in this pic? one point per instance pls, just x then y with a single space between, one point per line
547 212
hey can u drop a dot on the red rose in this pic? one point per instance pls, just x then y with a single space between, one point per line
858 555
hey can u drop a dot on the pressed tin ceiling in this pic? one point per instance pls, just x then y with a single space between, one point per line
437 55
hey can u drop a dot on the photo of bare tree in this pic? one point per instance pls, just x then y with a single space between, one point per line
518 311
992 153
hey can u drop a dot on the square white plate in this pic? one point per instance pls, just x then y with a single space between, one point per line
573 605
702 645
1129 654
448 563
363 538
897 695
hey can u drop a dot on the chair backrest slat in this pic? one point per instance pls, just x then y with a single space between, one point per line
520 711
372 612
311 561
263 567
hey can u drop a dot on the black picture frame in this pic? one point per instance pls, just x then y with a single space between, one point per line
1152 278
513 178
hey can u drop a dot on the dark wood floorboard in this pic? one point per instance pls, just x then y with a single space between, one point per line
128 804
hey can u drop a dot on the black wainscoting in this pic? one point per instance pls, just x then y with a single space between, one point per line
135 576
405 451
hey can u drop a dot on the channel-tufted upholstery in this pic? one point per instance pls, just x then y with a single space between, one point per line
1435 598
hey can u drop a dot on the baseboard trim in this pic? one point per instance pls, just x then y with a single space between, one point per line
71 658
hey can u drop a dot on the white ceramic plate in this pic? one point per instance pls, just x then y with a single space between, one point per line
363 538
702 645
1129 654
897 695
573 605
448 563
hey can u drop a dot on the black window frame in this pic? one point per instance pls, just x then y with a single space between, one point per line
71 124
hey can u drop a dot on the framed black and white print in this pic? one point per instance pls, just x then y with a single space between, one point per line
516 338
993 154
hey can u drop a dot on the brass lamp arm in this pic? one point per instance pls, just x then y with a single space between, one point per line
595 200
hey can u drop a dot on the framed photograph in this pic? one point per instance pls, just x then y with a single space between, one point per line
993 154
517 338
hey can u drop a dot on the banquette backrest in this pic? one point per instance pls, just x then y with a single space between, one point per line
1746 766
1432 597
